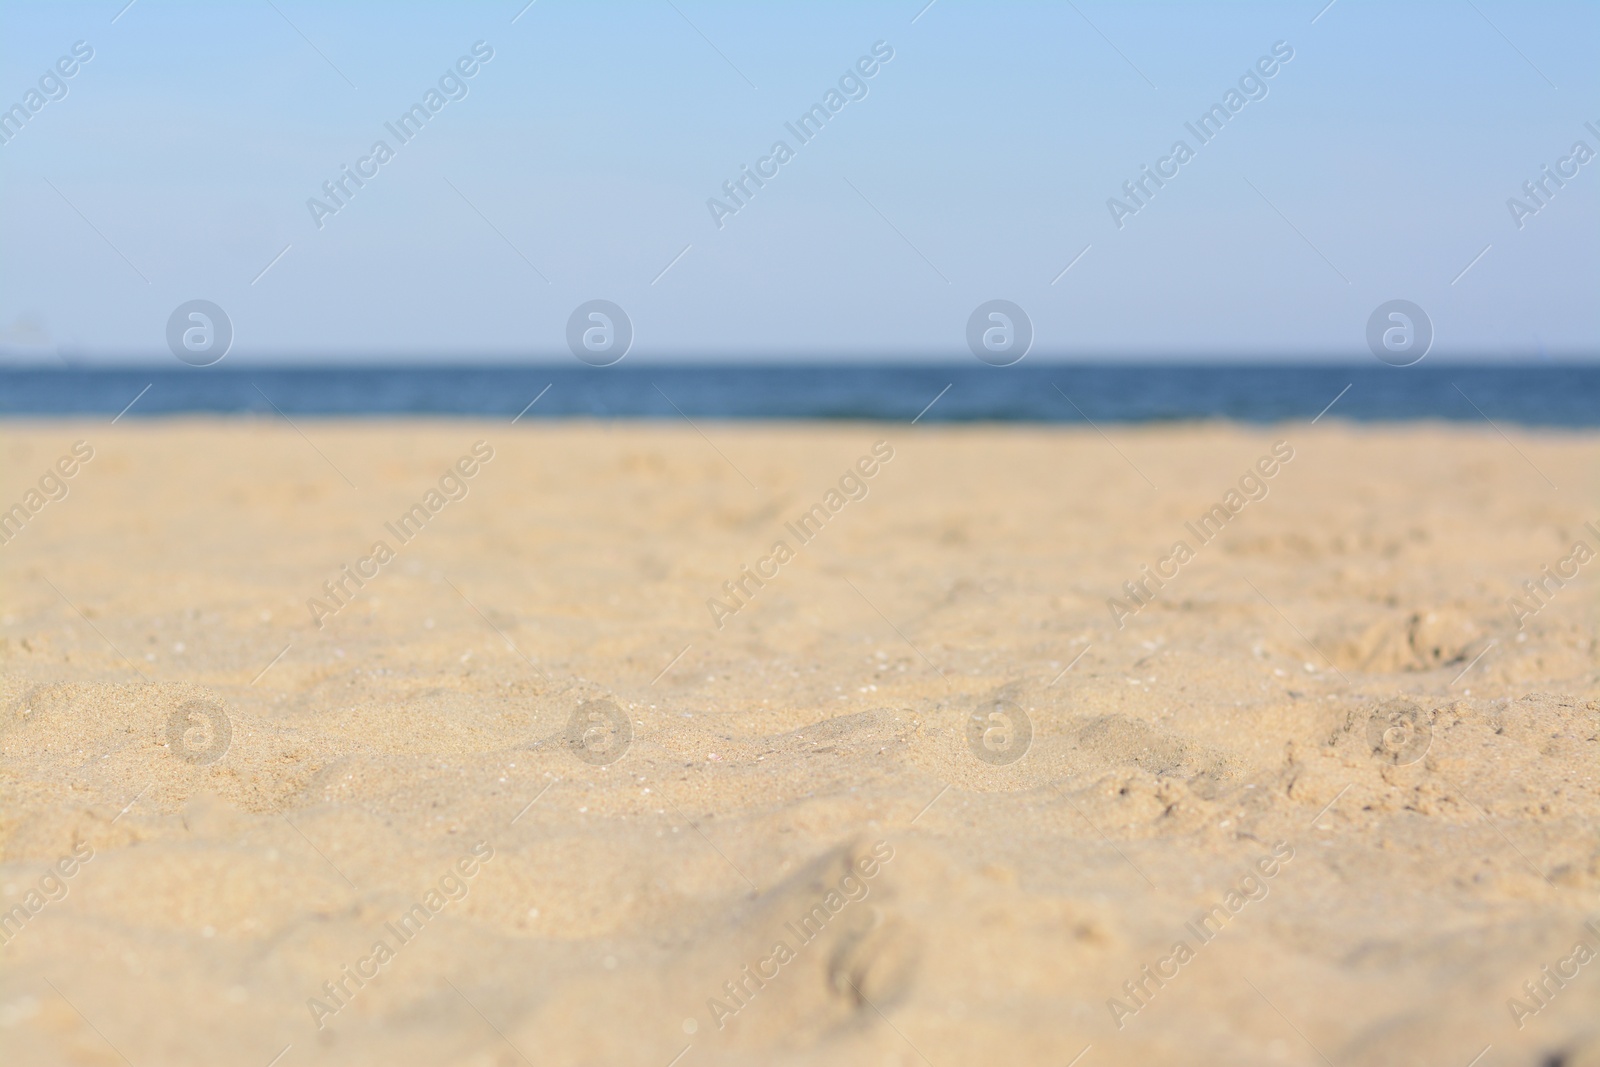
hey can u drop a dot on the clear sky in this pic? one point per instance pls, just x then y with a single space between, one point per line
579 163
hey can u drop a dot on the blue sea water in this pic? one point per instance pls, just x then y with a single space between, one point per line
1528 395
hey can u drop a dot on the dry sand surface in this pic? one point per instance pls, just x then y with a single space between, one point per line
1323 786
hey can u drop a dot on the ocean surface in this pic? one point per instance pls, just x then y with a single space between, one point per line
1528 395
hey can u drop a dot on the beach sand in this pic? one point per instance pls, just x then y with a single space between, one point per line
920 797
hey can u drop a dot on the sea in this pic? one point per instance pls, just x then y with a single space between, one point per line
1550 395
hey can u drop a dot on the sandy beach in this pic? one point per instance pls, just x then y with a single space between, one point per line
455 742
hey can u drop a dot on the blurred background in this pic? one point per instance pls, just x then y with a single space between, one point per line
179 162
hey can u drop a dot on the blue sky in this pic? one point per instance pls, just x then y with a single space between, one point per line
978 165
